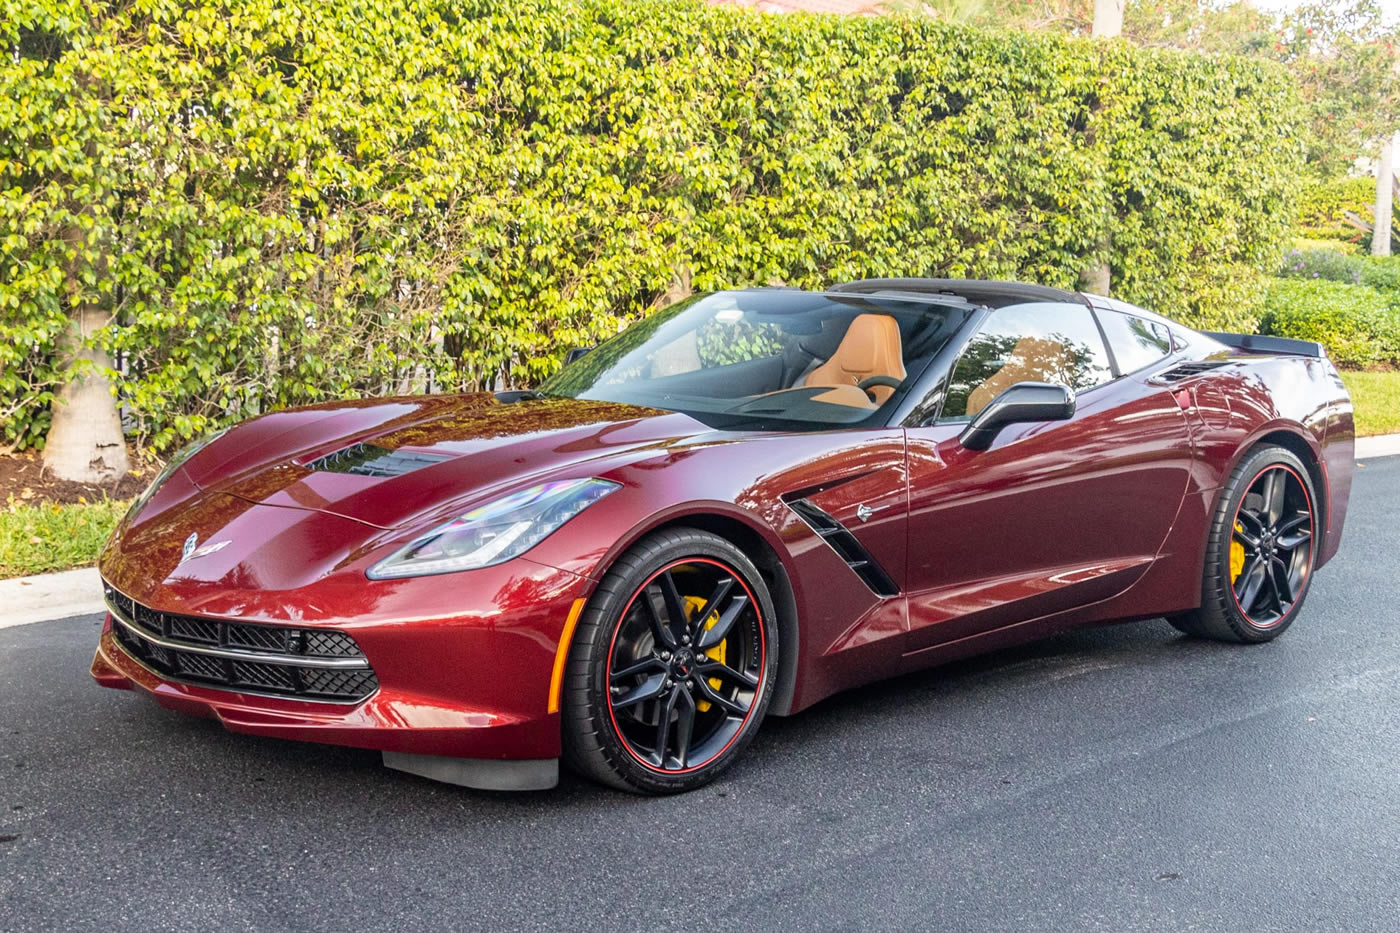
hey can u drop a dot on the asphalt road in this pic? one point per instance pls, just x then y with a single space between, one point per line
1125 778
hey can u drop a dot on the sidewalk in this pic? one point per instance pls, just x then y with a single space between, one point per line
50 596
1382 445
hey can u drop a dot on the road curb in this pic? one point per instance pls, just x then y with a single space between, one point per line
49 596
1380 445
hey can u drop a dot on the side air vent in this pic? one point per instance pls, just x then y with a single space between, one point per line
372 460
846 546
1186 370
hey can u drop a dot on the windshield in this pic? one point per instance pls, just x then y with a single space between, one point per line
768 358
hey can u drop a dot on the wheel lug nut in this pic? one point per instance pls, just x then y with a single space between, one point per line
665 655
685 639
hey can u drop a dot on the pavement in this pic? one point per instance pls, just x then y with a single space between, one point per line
1125 778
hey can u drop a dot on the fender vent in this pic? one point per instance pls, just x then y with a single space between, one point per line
847 546
1186 370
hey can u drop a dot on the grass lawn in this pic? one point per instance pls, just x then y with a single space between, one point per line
1377 399
46 537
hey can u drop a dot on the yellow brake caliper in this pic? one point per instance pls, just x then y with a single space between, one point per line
1236 556
694 604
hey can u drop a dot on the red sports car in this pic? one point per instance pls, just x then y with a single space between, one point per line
738 506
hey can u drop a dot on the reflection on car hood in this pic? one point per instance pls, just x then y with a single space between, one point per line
388 463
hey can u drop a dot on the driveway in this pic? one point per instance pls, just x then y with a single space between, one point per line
1119 779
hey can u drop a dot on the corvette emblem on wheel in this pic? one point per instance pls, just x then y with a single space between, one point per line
625 570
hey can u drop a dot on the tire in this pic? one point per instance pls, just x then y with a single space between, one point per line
617 684
1258 597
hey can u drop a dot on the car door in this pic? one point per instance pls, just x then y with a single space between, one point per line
1056 514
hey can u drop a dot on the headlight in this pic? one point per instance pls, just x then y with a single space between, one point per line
173 464
493 533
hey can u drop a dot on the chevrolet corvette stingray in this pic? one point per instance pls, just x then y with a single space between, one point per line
736 507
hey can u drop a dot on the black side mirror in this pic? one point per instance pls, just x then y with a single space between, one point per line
576 353
1025 401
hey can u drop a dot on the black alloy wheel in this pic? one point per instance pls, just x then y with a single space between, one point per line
672 666
1273 525
1261 552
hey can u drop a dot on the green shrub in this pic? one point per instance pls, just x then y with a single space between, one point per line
1321 205
282 201
1336 246
1356 323
1382 272
1321 264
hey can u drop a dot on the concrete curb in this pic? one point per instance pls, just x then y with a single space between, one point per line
1382 445
50 596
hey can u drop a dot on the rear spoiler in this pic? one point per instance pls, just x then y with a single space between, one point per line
1256 343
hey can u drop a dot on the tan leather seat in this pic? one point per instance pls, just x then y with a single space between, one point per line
871 347
1033 359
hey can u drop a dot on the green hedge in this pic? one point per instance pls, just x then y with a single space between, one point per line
1359 325
1321 206
288 200
1382 272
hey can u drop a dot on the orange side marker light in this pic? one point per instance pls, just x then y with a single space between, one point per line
561 654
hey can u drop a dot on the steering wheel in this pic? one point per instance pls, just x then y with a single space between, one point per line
870 382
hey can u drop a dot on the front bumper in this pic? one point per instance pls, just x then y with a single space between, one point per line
464 666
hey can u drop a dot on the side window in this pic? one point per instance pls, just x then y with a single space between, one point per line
1136 342
1027 343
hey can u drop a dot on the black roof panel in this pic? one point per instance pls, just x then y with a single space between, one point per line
977 291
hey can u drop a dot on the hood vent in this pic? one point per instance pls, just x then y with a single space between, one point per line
839 538
1186 370
371 460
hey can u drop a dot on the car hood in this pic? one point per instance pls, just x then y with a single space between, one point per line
391 463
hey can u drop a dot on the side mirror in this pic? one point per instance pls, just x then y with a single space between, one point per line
576 353
1025 401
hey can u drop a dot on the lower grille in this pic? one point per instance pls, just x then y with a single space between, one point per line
308 664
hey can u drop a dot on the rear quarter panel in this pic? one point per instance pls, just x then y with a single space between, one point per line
1296 400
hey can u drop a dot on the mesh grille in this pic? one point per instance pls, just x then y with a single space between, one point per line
330 644
202 666
196 630
337 683
286 679
258 637
269 676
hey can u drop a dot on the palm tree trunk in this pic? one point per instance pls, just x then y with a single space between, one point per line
1096 277
1385 172
1108 18
85 442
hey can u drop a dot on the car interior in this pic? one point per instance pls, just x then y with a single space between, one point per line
780 354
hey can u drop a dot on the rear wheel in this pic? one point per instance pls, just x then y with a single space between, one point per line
1261 551
672 666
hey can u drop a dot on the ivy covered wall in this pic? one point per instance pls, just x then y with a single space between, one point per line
284 201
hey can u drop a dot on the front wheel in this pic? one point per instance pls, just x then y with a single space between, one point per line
672 666
1260 555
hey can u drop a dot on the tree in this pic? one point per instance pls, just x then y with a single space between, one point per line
1385 179
1341 53
1108 18
67 210
1097 276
